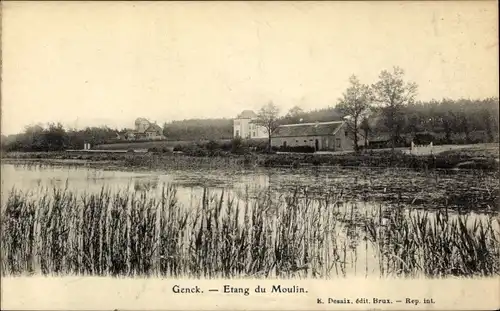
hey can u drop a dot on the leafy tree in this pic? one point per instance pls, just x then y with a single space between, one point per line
295 114
199 129
55 138
393 93
365 126
412 123
268 118
464 126
487 118
354 103
165 130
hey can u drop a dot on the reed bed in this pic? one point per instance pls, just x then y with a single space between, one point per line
141 233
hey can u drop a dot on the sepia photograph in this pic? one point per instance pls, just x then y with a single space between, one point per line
218 150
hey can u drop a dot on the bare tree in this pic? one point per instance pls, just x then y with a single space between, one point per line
267 117
354 103
392 93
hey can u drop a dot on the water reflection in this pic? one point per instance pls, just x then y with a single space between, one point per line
146 184
345 235
417 189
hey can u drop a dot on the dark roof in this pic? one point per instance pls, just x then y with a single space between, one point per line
153 127
308 129
247 114
386 137
379 137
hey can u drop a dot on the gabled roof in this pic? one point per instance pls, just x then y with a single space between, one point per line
153 127
308 129
247 114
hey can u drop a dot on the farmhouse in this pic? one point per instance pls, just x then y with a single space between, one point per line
384 140
380 140
323 136
243 126
144 130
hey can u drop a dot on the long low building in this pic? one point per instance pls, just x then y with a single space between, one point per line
323 136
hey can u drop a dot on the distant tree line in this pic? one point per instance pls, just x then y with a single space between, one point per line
453 121
199 129
450 121
460 118
389 107
53 137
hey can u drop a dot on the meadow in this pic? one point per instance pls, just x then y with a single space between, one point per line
119 233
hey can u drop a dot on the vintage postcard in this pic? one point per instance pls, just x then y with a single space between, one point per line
328 155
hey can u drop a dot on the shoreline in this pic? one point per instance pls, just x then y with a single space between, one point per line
461 197
452 161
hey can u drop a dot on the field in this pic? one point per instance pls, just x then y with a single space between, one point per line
59 232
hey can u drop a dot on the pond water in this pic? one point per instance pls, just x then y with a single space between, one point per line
463 191
366 190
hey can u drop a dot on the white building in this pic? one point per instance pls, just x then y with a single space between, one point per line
244 128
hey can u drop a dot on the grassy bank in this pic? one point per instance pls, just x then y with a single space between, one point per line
137 234
447 160
161 144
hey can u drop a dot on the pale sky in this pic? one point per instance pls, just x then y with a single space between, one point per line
100 63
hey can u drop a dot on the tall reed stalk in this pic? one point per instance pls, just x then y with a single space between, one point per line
140 233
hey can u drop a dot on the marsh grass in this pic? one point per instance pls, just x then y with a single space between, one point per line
464 159
137 233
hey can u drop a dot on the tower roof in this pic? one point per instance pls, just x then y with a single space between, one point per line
139 120
247 114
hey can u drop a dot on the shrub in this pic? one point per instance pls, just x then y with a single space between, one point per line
237 145
424 138
212 145
248 159
196 151
226 146
257 145
304 149
217 153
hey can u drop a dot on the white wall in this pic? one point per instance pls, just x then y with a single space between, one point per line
420 149
327 142
142 126
245 129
